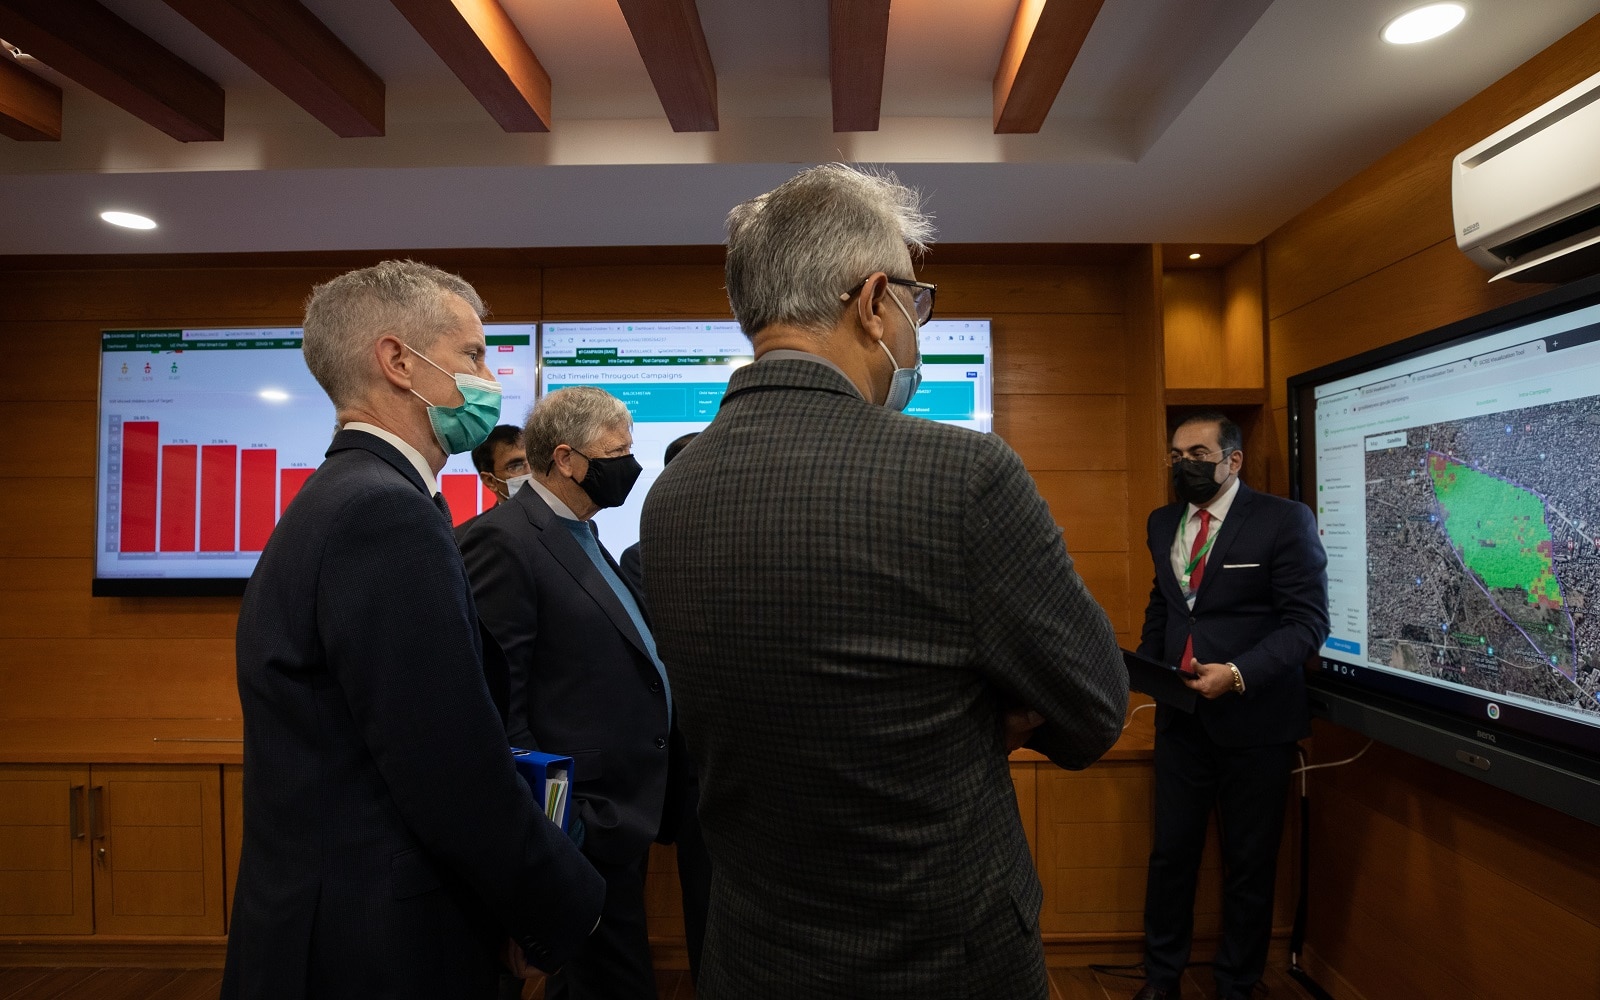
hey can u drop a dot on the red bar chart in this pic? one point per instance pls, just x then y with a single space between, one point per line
220 498
183 498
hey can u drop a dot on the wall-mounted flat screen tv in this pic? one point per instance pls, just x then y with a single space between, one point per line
672 376
1456 483
206 435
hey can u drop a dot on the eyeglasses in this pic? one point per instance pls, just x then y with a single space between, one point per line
922 294
1196 454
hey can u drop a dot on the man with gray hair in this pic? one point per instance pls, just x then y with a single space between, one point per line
861 612
585 680
390 847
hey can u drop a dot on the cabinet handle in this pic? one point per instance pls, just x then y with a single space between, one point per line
96 812
75 807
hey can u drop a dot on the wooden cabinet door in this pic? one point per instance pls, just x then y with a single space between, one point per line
45 883
156 834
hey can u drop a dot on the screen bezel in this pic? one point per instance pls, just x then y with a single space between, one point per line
1565 744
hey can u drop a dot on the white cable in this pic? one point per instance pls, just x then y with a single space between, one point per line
1136 710
1332 763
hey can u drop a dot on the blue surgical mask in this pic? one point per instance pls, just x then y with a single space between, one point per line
462 428
904 382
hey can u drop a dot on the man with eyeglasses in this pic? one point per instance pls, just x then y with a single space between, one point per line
1239 601
502 468
860 613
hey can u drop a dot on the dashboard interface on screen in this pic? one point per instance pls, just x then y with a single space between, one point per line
1458 496
207 435
672 376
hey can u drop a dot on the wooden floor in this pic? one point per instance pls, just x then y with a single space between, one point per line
203 984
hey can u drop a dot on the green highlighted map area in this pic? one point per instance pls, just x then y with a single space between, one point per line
1499 529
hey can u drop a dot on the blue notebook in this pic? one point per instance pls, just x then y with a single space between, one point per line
550 778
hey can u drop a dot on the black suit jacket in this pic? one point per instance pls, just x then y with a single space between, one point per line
581 681
389 845
1262 605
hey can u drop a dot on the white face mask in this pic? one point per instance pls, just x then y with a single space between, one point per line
516 483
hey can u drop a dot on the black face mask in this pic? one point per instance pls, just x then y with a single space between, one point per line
609 480
1195 482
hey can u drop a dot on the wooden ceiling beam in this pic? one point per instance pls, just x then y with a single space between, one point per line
858 36
289 48
672 43
1046 36
85 42
30 106
481 44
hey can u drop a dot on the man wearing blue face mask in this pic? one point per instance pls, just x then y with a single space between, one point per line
585 680
390 848
861 612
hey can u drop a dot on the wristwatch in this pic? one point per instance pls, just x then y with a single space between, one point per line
1238 679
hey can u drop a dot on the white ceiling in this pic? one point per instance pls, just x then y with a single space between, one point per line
1207 121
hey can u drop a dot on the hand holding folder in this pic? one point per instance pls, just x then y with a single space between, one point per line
550 778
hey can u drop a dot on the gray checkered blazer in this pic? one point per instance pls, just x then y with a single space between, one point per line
846 599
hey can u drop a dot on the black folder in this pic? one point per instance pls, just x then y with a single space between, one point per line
1159 681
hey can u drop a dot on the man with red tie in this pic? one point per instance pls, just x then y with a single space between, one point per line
1240 600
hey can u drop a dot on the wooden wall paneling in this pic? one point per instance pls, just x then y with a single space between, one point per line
161 833
1064 433
1090 506
232 833
1192 335
979 290
1400 205
1427 290
1454 921
512 293
1244 321
1106 576
668 291
67 368
1146 438
45 881
156 678
48 439
43 517
1274 461
1064 353
161 298
48 598
1541 849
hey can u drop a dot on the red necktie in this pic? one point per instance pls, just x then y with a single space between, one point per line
1199 570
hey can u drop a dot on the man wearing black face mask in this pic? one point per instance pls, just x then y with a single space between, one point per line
1240 599
585 680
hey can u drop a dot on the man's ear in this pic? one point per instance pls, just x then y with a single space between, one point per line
394 360
561 460
870 305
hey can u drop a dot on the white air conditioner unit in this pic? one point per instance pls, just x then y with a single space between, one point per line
1527 199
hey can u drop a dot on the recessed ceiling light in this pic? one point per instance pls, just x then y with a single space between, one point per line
274 395
1194 256
128 220
1423 23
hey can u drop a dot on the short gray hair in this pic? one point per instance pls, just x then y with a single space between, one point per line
576 417
794 250
346 315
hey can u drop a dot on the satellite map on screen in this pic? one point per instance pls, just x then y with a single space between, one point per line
1484 552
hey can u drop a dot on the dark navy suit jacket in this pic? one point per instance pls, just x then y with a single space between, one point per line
390 847
581 681
1262 605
